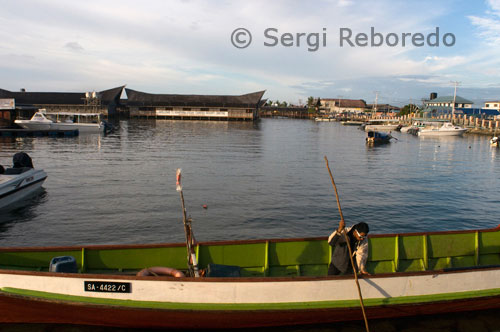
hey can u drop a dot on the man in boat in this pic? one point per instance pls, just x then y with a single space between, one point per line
341 263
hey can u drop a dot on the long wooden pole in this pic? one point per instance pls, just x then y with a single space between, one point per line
191 256
348 247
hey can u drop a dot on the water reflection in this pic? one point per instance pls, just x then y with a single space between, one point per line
23 211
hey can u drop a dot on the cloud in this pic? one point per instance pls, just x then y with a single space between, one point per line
489 24
184 47
74 46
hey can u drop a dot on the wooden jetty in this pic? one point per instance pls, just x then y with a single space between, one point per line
13 132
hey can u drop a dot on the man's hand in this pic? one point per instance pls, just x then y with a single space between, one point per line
341 226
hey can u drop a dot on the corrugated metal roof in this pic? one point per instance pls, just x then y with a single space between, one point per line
449 99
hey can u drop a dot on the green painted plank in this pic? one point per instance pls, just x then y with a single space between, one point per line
243 255
489 243
449 245
382 248
411 247
299 252
131 259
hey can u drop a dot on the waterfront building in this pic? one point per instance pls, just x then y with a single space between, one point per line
492 105
104 102
339 105
186 107
436 106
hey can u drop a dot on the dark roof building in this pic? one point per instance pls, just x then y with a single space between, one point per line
106 100
242 107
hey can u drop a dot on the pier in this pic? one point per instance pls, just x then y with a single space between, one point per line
11 132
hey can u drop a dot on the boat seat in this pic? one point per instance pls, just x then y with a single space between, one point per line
17 170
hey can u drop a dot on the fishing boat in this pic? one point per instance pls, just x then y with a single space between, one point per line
19 181
274 282
446 129
84 122
374 137
494 141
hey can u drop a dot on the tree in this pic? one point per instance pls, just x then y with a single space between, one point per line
311 106
407 109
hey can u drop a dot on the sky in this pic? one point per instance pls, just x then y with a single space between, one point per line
186 47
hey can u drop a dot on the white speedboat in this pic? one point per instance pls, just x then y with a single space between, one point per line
37 122
84 122
20 181
447 129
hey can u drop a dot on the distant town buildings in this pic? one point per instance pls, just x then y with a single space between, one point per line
338 105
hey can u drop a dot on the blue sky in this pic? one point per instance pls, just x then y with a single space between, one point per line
184 47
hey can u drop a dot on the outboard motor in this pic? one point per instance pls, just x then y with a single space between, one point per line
21 159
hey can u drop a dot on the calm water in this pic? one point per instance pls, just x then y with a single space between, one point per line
261 180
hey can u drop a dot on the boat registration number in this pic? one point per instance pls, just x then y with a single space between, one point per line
108 287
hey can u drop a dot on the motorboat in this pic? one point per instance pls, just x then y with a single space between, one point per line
447 129
374 137
37 122
84 122
19 181
382 125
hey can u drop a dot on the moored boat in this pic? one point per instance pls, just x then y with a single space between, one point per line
84 122
20 181
494 141
382 125
281 282
446 129
374 137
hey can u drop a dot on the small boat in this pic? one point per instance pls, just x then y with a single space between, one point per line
351 123
382 125
447 129
20 181
374 137
494 141
84 122
37 122
324 119
248 283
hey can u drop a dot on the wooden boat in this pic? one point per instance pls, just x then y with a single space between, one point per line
374 137
282 282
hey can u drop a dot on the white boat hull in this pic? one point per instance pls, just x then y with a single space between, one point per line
396 287
14 188
82 127
33 125
435 133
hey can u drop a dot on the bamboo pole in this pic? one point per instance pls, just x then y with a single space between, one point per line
191 256
349 248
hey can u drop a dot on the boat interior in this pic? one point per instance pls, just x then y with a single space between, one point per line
391 253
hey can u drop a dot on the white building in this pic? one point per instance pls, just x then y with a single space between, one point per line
492 105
